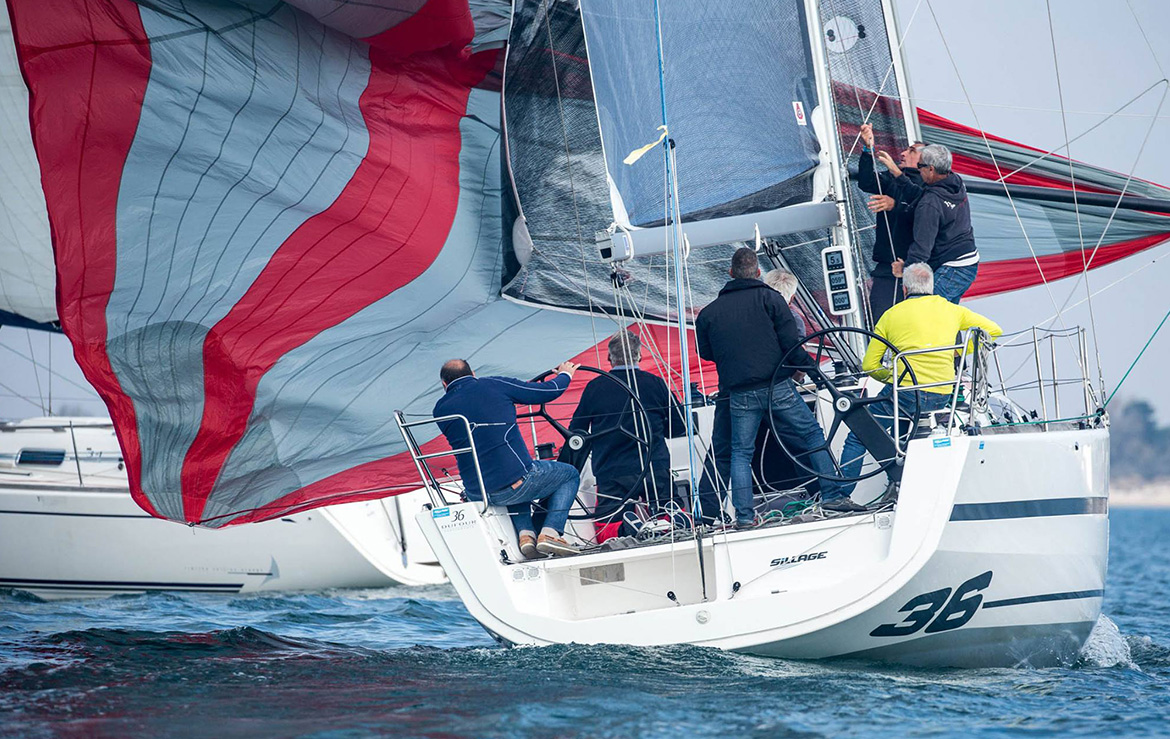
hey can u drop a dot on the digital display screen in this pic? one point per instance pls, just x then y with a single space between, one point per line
841 301
835 260
838 281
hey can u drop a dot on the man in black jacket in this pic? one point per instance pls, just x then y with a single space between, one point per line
606 407
895 193
746 331
943 237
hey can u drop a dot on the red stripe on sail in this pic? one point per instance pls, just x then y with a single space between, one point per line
386 477
972 167
1014 274
384 230
436 25
92 58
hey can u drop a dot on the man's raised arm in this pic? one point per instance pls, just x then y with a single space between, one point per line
519 391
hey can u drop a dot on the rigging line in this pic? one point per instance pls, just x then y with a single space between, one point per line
1110 285
1033 109
1087 131
21 396
1128 179
33 358
1142 31
1139 356
50 377
77 385
995 163
1104 231
572 188
1076 203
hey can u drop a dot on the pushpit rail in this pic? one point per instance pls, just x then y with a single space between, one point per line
432 484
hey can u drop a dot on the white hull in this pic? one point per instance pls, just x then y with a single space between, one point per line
73 530
995 555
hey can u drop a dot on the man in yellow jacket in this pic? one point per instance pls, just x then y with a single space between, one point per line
923 320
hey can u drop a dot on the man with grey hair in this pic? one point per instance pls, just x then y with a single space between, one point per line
605 412
785 283
747 331
943 238
921 321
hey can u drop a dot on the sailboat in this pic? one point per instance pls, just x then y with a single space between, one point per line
273 224
68 525
994 551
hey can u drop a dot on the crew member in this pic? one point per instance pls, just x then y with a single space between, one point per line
606 412
943 237
747 331
921 321
510 475
785 283
894 192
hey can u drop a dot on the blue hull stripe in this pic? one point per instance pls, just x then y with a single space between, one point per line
1029 508
1072 595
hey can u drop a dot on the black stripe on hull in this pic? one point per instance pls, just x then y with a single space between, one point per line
116 585
1030 509
1047 597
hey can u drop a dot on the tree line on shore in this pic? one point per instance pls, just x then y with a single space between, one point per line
1139 446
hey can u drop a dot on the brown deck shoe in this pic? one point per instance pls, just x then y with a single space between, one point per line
555 546
528 546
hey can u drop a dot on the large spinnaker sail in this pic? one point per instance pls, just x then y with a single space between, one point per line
270 234
26 251
1112 217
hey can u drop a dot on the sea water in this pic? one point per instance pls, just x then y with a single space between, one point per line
412 662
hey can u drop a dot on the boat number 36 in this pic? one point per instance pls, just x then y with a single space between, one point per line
938 610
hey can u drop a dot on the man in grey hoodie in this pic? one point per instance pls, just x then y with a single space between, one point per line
942 227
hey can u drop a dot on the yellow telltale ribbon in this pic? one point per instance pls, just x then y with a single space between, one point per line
637 154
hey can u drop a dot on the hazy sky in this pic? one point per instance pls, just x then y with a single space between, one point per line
1003 52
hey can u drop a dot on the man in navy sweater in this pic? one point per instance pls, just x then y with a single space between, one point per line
510 475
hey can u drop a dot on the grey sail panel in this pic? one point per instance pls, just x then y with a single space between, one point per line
735 76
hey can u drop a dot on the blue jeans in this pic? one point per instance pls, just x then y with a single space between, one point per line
952 282
554 484
798 428
853 453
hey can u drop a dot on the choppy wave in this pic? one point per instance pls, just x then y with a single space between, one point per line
413 661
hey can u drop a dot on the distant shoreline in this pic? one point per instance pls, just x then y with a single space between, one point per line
1140 495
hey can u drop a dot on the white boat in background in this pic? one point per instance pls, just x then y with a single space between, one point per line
69 528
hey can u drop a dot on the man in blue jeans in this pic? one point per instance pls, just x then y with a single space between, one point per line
943 237
746 331
510 475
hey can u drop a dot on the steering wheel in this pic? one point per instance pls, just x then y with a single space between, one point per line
609 505
849 406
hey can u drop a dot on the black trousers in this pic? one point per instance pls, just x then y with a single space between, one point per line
884 292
